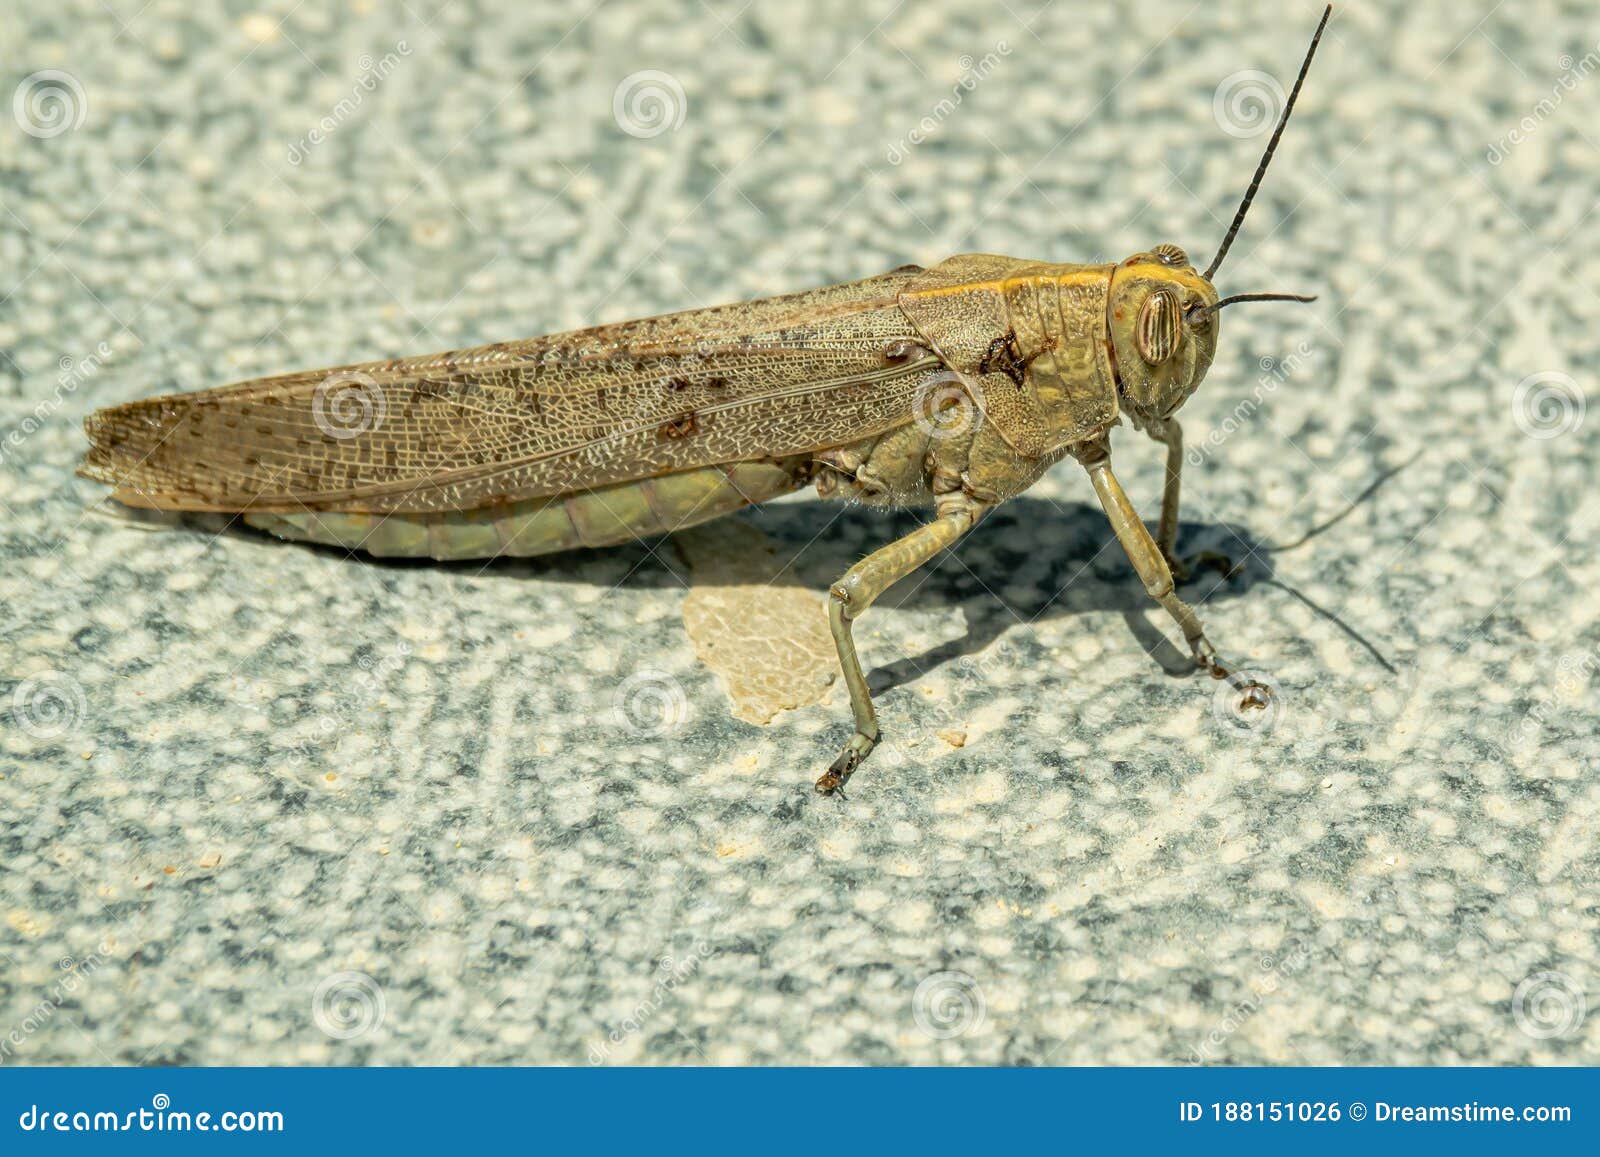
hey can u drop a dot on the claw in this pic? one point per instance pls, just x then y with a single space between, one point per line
1205 657
839 773
1219 562
1255 696
1185 569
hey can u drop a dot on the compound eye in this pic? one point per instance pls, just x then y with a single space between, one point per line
1170 254
1159 328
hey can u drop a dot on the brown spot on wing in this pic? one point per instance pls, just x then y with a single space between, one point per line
680 427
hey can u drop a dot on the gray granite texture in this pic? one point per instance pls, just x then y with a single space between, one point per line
268 804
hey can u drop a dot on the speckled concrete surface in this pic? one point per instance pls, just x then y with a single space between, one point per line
266 804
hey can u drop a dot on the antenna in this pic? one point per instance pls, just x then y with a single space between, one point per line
1272 145
1210 309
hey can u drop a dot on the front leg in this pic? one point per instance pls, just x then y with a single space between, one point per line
1145 555
856 591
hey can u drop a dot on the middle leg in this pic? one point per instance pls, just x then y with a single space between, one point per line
1170 434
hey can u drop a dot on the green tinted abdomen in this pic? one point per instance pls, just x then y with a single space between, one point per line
604 516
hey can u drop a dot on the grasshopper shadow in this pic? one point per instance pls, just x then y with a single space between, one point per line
1030 560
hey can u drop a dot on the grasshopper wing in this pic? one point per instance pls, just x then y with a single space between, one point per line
501 423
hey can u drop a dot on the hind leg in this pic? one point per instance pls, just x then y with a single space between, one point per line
854 593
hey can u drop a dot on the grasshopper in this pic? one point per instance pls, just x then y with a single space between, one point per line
954 387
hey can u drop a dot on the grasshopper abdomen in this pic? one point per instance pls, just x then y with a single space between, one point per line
604 516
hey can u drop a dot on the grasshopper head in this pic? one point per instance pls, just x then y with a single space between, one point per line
1163 326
